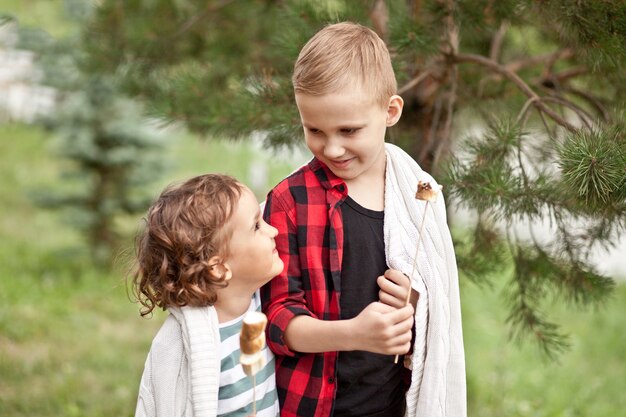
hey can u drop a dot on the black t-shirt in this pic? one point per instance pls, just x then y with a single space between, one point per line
368 383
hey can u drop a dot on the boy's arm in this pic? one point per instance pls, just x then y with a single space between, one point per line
283 297
379 328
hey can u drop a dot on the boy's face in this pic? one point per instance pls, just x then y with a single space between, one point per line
253 258
346 131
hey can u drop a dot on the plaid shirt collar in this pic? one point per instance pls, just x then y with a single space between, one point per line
327 178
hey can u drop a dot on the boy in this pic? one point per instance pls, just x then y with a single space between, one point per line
348 226
204 252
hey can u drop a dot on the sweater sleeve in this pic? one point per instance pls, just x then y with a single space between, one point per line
145 398
163 388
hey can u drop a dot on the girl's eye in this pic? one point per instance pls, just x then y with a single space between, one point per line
314 131
257 226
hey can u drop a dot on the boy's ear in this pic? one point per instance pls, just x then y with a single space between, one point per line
219 269
394 110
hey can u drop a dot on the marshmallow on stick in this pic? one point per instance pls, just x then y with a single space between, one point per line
425 192
252 342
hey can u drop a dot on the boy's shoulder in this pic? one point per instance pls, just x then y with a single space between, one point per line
308 185
403 164
306 177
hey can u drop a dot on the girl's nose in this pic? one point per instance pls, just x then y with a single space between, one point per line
271 230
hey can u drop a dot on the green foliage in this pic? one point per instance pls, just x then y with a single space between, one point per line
596 28
111 151
546 78
538 275
113 155
481 255
498 179
593 168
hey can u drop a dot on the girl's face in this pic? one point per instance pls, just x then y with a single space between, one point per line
252 256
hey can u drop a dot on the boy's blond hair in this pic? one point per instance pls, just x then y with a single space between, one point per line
345 55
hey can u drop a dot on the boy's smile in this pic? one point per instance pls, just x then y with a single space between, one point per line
346 131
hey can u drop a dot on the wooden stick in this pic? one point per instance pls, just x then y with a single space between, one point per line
417 247
253 395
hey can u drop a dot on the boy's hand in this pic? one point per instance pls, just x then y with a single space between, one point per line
381 328
394 288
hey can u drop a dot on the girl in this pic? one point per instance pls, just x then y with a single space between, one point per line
202 255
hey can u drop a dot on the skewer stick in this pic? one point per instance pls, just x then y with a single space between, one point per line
253 395
417 247
425 192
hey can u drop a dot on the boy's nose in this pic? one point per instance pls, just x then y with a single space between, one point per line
333 149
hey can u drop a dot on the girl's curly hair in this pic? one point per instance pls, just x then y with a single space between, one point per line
184 228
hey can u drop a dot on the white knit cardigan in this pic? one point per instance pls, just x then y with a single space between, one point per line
438 378
183 364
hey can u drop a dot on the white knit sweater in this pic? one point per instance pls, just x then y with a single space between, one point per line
183 363
438 377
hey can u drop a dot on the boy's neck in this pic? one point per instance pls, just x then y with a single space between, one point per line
232 304
368 192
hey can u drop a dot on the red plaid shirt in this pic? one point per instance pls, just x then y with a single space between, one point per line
305 209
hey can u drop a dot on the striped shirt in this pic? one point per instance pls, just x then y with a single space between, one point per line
236 388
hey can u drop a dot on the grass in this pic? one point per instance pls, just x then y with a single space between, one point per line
71 346
48 15
505 379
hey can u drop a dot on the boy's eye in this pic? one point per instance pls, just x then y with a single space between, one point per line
314 131
349 131
257 225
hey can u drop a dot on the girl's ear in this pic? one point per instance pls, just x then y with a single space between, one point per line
394 110
219 270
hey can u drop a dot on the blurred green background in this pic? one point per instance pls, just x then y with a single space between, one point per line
73 344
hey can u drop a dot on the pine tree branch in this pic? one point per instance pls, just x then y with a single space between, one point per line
191 22
497 41
548 59
521 85
592 100
522 116
428 141
570 73
416 9
452 40
415 81
583 115
379 15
